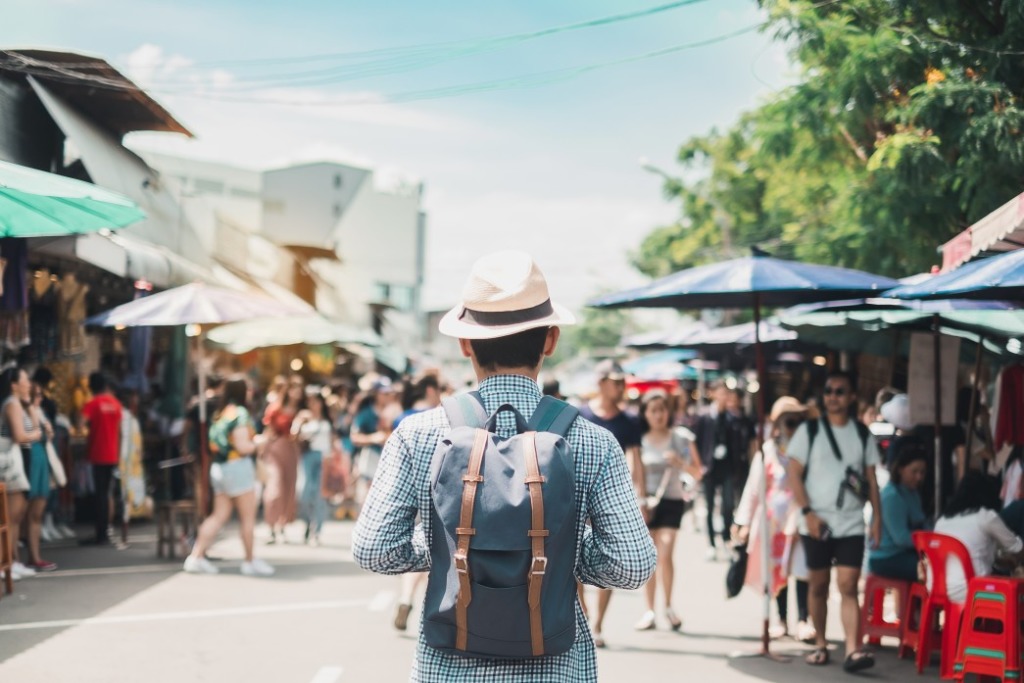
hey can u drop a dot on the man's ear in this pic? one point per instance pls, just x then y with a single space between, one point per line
551 341
465 348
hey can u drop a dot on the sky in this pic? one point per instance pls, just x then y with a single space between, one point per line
553 168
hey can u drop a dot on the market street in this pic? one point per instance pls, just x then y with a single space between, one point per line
122 616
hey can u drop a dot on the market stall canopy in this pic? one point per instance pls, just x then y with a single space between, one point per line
660 339
95 88
244 336
1001 230
197 303
736 284
740 335
998 277
662 365
38 204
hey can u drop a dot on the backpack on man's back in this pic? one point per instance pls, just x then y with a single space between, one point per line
503 546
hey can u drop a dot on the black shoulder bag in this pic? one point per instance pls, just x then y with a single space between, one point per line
854 480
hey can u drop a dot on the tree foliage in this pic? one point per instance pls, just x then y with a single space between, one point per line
904 128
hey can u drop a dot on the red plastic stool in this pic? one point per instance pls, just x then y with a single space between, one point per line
990 637
911 620
938 549
872 613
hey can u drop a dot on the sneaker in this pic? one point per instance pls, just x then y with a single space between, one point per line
66 531
257 567
43 566
674 622
646 622
46 535
402 616
199 565
711 554
25 572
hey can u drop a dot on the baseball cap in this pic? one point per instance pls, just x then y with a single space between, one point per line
609 369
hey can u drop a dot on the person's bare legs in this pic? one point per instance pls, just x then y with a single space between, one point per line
36 508
16 508
651 587
246 506
212 524
817 603
846 580
666 544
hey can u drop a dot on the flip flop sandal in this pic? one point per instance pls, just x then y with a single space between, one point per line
819 657
858 661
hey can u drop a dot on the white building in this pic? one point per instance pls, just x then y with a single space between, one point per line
322 229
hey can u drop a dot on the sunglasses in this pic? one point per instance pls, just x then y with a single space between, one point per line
835 391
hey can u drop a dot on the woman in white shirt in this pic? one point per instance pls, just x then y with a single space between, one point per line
313 430
971 517
665 453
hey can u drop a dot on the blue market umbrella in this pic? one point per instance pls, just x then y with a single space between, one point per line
998 277
751 282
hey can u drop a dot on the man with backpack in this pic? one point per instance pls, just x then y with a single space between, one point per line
504 484
832 473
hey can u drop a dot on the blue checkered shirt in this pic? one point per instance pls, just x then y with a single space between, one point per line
614 551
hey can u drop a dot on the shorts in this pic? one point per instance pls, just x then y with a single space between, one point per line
233 478
847 551
37 467
667 514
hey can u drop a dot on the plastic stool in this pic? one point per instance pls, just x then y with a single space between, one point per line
911 620
872 613
938 549
990 637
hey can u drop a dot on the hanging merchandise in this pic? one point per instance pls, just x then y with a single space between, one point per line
1008 430
14 332
139 342
71 315
42 307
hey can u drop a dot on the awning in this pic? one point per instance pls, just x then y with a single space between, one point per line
1001 230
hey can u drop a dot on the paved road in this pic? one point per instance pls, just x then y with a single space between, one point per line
115 616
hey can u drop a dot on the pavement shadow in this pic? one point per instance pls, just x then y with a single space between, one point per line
796 670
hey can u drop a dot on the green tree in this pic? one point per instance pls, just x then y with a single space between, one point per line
904 128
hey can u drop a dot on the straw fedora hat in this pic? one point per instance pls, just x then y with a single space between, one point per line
505 294
785 406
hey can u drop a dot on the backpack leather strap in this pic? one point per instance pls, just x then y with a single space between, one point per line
465 533
537 533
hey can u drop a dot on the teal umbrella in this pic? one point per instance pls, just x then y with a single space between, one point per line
39 204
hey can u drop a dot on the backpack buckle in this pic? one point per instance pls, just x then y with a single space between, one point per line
461 564
540 565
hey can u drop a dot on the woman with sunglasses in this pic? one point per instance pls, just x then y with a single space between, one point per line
786 555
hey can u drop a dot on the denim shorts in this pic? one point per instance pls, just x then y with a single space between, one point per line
233 478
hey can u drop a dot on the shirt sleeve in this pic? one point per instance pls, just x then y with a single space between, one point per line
996 529
872 456
799 446
386 538
617 549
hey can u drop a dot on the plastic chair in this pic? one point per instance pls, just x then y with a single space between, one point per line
938 548
872 613
990 636
911 620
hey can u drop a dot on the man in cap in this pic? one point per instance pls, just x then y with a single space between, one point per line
506 324
605 410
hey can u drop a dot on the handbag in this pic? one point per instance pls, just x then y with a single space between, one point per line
737 572
651 502
56 466
12 467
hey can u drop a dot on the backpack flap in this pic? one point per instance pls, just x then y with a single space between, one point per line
503 498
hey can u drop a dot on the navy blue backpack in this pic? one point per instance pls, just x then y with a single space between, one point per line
503 546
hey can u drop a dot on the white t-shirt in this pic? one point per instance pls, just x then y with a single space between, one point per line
656 468
982 533
318 434
826 475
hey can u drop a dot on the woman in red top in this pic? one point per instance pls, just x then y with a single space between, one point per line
281 457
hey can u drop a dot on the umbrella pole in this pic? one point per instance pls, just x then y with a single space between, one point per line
937 369
973 412
204 452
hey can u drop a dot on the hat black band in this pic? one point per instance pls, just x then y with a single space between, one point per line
501 318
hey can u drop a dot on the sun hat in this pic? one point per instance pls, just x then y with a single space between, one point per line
505 294
896 411
786 405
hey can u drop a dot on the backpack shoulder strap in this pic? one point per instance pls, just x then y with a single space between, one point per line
552 415
864 432
465 410
812 432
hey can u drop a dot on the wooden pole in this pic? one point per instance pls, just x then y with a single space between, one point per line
973 412
937 359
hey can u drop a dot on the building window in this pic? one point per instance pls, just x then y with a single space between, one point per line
205 186
382 292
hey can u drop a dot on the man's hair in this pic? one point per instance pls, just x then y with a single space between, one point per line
236 390
552 387
522 350
842 374
715 385
97 383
